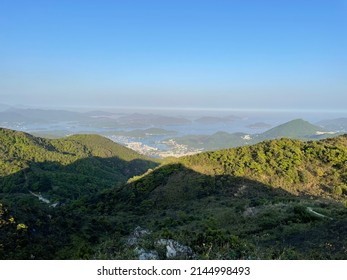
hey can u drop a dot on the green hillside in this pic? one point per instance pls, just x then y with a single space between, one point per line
37 175
290 164
278 199
293 129
62 167
218 140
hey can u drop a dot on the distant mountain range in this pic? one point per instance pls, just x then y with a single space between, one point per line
214 120
334 125
259 125
38 115
93 118
60 123
150 120
295 129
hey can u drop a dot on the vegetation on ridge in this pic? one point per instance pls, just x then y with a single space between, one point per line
279 199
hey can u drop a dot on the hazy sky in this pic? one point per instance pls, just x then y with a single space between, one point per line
222 54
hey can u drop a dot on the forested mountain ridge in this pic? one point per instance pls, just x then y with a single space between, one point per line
63 166
296 166
25 146
312 168
37 175
278 199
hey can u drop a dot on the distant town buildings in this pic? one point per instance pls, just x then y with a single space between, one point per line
173 148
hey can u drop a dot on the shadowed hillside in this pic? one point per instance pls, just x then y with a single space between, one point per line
279 199
225 217
40 178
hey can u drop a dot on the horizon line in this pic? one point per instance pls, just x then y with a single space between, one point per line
170 108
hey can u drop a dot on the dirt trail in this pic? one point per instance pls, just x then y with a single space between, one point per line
310 210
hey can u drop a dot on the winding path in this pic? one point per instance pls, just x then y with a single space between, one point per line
310 210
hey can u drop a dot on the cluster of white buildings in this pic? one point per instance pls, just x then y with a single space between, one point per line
174 149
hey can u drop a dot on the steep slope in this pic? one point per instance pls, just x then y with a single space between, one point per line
102 147
278 199
290 164
43 184
31 163
27 147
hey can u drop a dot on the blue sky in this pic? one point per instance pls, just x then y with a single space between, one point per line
245 54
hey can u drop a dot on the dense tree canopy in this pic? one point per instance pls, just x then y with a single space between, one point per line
81 197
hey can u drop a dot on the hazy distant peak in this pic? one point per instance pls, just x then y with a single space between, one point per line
213 119
294 129
339 124
137 119
259 125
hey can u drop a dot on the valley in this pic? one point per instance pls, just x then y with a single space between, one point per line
277 199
